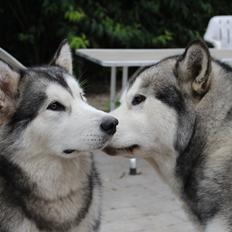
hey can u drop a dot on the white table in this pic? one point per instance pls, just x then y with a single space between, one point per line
125 58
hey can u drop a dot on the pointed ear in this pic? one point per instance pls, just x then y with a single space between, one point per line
9 80
194 66
63 57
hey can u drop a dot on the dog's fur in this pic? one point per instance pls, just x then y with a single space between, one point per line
48 180
178 114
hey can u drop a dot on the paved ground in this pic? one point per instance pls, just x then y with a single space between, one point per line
141 203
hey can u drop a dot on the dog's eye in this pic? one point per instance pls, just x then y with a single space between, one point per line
138 99
56 106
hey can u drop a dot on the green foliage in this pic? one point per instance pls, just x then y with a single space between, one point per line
164 38
33 29
78 41
74 16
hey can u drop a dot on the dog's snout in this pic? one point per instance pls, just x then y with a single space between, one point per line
108 125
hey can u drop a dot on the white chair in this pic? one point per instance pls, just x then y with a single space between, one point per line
219 32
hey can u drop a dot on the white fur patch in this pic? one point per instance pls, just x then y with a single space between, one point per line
217 225
151 125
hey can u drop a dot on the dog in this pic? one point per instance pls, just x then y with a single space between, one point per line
48 179
177 114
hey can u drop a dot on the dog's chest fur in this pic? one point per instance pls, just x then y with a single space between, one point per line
52 196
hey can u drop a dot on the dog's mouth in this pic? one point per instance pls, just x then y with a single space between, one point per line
113 151
69 151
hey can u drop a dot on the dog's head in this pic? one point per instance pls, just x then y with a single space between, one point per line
157 111
45 111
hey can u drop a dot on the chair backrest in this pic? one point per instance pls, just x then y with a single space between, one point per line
219 31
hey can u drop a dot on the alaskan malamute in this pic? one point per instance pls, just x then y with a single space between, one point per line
178 114
48 181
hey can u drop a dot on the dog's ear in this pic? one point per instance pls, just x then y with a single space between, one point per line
9 80
63 57
194 66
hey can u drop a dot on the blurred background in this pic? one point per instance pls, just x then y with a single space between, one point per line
32 30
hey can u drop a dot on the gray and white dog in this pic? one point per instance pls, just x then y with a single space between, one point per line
178 114
48 180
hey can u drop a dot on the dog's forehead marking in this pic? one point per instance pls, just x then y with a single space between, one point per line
143 81
56 92
60 93
51 73
153 76
165 65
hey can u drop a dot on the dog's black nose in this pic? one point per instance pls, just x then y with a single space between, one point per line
109 125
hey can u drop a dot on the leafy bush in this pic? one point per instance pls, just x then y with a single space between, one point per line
32 30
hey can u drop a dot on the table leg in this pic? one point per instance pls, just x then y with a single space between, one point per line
112 87
124 77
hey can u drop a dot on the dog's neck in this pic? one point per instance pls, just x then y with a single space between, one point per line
211 112
54 177
212 133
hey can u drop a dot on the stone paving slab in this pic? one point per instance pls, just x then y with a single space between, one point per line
141 203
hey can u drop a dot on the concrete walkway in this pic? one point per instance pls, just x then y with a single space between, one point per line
141 203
